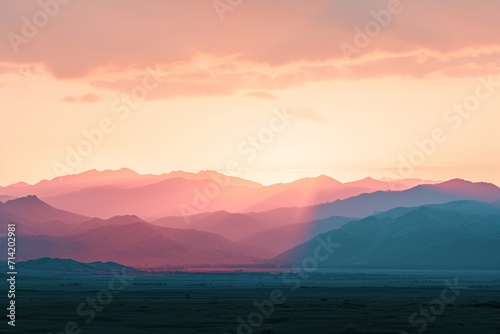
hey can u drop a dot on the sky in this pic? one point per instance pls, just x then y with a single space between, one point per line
269 90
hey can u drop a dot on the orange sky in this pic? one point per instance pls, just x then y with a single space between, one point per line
186 85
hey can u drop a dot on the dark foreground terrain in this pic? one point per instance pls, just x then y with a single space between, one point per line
238 302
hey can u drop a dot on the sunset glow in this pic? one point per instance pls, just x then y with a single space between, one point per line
207 85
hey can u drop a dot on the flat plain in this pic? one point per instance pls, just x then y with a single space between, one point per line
327 301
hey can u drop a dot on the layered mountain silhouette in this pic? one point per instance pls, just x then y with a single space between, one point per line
282 238
108 193
453 224
142 245
48 232
58 228
30 210
458 235
233 226
56 265
4 198
367 204
123 179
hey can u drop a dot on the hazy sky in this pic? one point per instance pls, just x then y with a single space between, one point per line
282 89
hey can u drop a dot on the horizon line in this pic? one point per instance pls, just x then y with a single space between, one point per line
227 173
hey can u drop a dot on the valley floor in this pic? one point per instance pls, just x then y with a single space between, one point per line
323 302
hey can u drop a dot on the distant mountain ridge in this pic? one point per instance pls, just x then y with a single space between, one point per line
367 204
453 210
282 238
425 237
31 210
110 193
57 265
233 226
141 245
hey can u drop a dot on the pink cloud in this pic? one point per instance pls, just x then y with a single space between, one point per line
254 48
261 95
87 98
309 114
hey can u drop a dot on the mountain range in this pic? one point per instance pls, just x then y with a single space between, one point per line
452 224
56 265
109 193
457 235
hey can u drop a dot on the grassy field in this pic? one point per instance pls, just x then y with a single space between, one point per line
323 302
